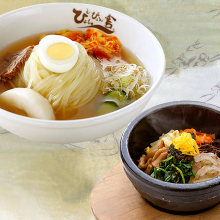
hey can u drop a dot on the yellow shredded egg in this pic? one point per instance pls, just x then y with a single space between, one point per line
186 144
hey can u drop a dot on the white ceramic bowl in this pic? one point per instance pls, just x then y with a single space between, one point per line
44 18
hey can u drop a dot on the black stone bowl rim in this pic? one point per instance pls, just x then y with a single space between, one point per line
128 162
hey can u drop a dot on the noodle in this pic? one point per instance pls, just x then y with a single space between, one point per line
65 91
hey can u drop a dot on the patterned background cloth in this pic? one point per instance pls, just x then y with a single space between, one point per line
53 182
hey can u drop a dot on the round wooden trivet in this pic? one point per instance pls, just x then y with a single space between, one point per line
115 198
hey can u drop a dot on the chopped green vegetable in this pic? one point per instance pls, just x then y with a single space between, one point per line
180 171
117 94
175 169
107 107
166 160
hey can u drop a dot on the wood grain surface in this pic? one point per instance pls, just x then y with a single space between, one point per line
116 198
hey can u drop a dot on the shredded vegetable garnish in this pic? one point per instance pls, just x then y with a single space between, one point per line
186 144
132 79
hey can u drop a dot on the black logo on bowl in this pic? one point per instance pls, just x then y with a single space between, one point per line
93 19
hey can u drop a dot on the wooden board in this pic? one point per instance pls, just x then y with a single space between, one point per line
115 198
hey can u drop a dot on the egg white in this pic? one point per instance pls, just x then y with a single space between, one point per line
54 65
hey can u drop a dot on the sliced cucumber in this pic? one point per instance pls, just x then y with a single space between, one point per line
118 95
107 107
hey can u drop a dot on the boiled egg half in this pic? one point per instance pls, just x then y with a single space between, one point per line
58 53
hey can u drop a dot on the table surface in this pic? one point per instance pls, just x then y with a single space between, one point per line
54 181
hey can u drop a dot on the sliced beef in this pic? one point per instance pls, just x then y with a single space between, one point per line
13 63
213 147
216 143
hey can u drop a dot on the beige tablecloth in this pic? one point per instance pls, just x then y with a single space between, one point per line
53 182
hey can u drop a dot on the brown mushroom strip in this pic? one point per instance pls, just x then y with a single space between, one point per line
148 165
149 161
161 157
151 154
146 160
160 151
161 144
142 162
149 168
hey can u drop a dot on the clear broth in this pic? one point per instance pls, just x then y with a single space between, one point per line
88 110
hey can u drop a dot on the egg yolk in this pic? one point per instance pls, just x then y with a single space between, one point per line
60 51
